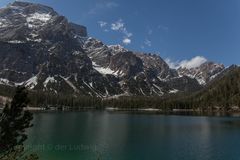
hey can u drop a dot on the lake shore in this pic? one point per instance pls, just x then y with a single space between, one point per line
197 112
214 112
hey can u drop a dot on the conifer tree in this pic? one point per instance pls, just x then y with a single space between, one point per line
14 121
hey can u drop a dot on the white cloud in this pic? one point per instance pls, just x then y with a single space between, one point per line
128 34
171 63
192 63
102 24
118 25
148 43
126 41
102 6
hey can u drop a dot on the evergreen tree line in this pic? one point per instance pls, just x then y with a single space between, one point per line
223 92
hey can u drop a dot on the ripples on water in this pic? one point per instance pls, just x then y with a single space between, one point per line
124 136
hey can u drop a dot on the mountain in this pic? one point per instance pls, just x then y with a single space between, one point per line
140 73
222 93
203 73
44 51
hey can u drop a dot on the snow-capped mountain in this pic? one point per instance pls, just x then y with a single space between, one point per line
140 73
24 22
44 51
203 73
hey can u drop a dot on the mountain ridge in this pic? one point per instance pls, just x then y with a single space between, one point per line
47 52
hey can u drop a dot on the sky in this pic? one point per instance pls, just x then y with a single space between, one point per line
190 31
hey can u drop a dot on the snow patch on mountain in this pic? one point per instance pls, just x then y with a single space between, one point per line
4 81
104 70
16 42
203 73
43 17
3 23
38 19
93 90
70 83
49 79
32 82
173 91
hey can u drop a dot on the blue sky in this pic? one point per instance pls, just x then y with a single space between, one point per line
176 29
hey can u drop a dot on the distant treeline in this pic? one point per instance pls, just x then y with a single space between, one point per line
43 99
223 92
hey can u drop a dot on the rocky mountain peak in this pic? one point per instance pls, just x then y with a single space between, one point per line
26 9
44 51
21 22
156 65
117 48
204 73
27 4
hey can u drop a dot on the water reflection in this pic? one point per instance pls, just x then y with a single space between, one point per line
122 136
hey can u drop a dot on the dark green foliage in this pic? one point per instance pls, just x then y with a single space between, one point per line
42 99
7 91
13 124
224 92
18 154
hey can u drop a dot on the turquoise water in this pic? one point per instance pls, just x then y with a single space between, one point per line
117 136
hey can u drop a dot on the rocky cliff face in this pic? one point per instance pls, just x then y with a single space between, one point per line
204 73
139 73
44 51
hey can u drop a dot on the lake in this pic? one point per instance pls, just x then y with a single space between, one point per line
125 136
